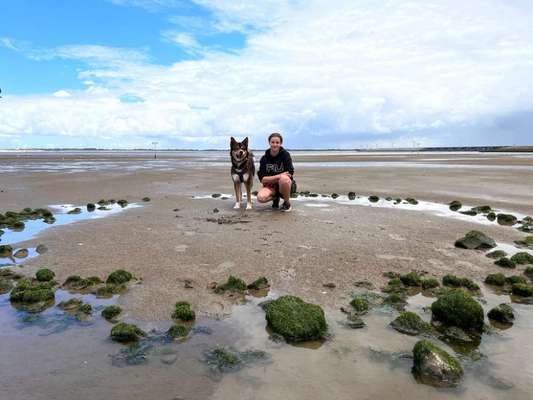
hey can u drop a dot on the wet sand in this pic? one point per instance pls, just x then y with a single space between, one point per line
172 238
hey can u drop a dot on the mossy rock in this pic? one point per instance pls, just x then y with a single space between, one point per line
522 257
373 199
429 283
86 309
296 320
506 219
259 283
45 275
475 240
503 313
183 311
434 366
495 279
482 209
30 292
76 282
124 333
122 203
526 242
76 210
511 280
496 254
491 216
109 290
91 207
111 312
411 279
518 289
395 285
5 285
360 304
351 195
397 301
6 250
456 282
178 331
119 277
457 308
505 262
455 205
410 324
70 304
233 284
529 272
18 226
412 201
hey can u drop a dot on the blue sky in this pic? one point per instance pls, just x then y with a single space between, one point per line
341 73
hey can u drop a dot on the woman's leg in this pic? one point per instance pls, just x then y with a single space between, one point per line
285 183
265 194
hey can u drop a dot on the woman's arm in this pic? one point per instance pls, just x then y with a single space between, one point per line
270 179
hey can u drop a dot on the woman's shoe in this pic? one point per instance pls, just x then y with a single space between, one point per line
275 202
286 207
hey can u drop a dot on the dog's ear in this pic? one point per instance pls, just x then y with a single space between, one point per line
245 142
232 142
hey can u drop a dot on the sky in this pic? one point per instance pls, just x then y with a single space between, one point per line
326 74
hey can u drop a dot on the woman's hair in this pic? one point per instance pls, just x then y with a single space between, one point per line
275 134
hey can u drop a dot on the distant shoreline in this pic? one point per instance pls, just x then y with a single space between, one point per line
506 149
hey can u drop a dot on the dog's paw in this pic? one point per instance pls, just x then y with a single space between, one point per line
249 206
237 206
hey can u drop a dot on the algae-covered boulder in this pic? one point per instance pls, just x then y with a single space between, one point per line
455 205
495 279
457 282
259 283
178 331
76 282
505 262
496 254
360 304
122 203
529 272
526 242
518 289
434 366
522 257
475 240
111 312
70 304
411 279
503 313
124 333
28 292
373 199
511 280
6 250
506 219
119 277
233 284
45 275
457 308
76 210
429 283
109 290
410 324
183 311
296 320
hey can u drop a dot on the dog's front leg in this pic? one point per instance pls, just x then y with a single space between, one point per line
238 195
248 196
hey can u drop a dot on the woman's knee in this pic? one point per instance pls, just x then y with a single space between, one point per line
263 196
284 180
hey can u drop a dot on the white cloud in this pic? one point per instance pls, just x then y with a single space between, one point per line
62 93
357 71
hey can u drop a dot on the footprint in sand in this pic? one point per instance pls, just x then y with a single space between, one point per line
287 274
395 236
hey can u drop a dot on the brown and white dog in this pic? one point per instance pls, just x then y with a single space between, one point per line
242 171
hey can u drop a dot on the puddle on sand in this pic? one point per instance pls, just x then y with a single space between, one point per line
373 362
62 217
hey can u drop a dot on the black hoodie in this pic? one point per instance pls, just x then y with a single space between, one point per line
270 166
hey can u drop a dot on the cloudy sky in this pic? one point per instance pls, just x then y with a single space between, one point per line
335 73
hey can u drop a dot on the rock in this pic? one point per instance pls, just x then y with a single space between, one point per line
491 216
471 213
526 242
360 305
226 359
411 279
351 195
18 226
111 312
457 282
522 257
119 277
411 201
329 285
178 331
429 283
122 203
455 205
503 313
395 285
456 335
45 275
76 210
482 209
396 300
41 249
496 254
504 262
6 250
91 207
146 199
373 199
523 290
296 320
183 311
28 292
511 280
529 272
434 366
495 279
187 284
215 210
216 195
76 282
410 324
475 240
70 305
457 308
259 283
233 284
506 219
5 285
334 195
125 333
109 290
21 253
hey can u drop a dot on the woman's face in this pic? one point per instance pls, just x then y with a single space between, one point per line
275 144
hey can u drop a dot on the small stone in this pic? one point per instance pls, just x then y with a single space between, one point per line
455 205
329 285
41 249
373 199
506 219
21 253
503 313
475 240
